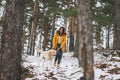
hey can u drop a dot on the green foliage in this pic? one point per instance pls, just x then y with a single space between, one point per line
68 13
1 2
108 8
103 14
103 19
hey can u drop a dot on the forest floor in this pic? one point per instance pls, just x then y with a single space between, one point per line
104 68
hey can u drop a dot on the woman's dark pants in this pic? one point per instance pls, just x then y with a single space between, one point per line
59 54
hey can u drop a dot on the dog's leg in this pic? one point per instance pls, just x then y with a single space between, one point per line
46 64
38 53
50 63
43 65
41 62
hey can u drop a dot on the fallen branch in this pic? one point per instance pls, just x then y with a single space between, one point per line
75 72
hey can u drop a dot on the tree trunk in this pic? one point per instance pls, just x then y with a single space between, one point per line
53 27
71 42
116 41
23 41
85 38
33 28
108 37
10 52
40 40
72 30
46 32
67 27
98 34
76 50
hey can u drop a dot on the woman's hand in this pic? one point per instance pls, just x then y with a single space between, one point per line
60 47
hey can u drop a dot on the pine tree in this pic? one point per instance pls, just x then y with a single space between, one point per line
10 52
116 42
85 55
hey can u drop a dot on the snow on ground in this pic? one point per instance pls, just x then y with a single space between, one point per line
104 69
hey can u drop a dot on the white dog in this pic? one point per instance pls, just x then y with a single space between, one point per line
46 55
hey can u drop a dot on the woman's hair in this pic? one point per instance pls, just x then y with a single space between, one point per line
62 29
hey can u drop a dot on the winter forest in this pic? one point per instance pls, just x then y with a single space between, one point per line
92 49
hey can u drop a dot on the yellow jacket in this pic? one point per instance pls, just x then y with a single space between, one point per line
55 41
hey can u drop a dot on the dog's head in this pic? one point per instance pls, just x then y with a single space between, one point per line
52 52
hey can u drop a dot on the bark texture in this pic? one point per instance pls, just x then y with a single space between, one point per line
85 38
10 52
116 42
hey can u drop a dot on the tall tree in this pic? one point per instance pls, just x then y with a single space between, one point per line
72 28
102 17
45 33
116 42
10 52
85 55
33 30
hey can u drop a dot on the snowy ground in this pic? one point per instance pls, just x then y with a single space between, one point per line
104 69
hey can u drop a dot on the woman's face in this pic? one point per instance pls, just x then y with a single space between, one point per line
61 30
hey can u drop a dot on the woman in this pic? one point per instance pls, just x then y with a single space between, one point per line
59 41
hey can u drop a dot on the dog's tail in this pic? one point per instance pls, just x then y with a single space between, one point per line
38 49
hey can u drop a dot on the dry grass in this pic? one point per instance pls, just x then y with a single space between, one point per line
102 65
25 73
114 71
